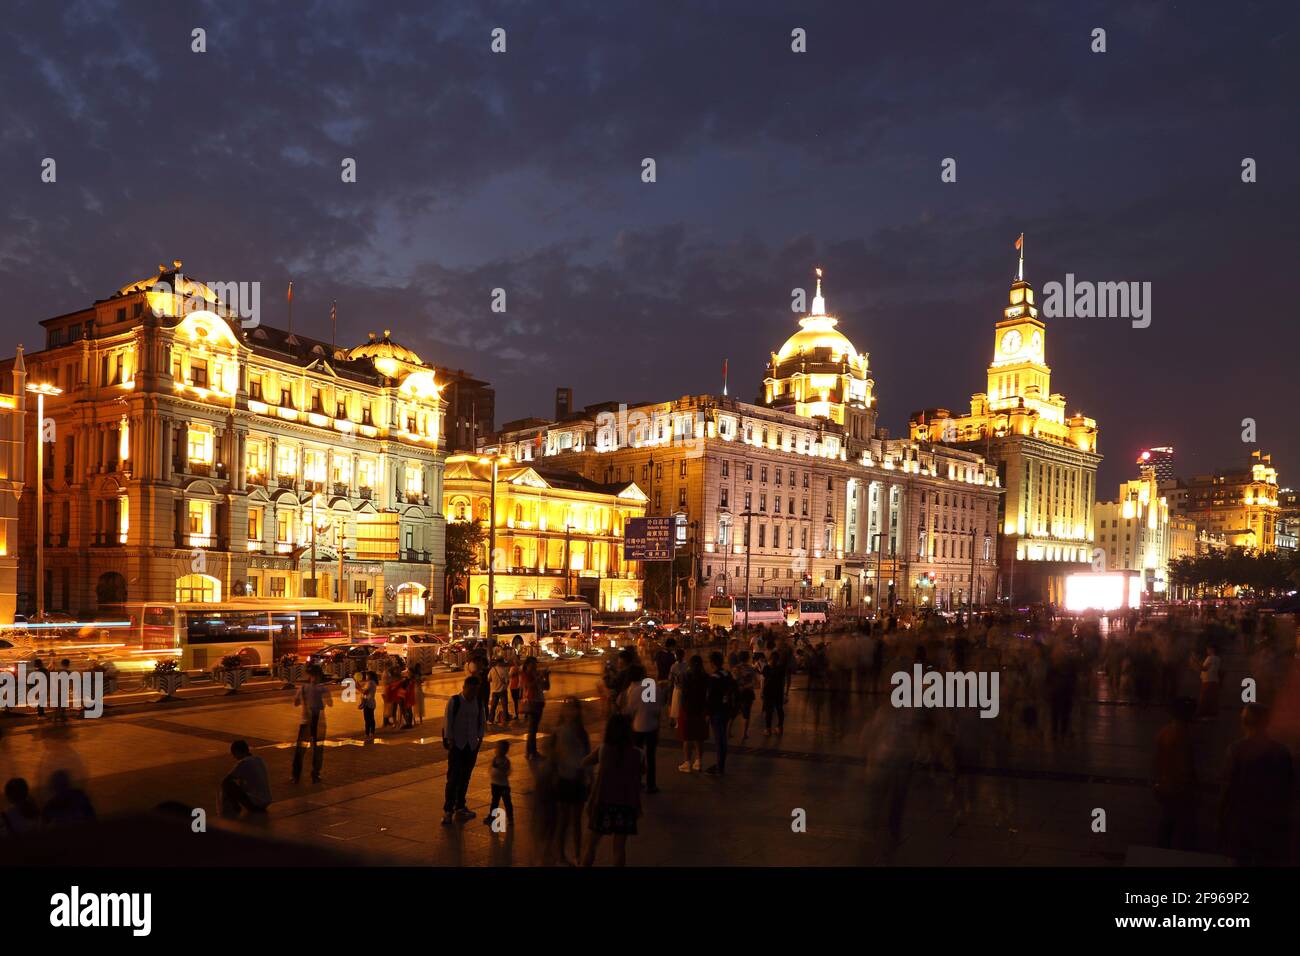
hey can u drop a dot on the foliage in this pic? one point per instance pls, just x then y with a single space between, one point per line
1217 571
464 547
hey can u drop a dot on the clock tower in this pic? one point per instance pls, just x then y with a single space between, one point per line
1019 369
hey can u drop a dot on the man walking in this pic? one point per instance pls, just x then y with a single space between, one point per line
313 697
720 704
464 726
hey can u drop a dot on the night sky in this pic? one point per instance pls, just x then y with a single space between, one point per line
522 171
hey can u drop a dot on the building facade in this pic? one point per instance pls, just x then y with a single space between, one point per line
798 495
1134 532
192 458
1046 459
13 415
1241 505
558 533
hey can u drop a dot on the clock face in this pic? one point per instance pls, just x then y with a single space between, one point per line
1011 341
1037 341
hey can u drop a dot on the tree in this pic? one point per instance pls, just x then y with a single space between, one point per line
464 547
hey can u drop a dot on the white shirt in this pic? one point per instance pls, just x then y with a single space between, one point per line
1210 670
644 713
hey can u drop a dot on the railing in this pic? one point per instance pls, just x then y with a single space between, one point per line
59 540
208 542
106 539
315 487
416 498
340 489
414 556
257 479
284 481
365 493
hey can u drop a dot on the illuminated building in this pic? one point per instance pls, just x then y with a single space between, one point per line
191 454
1134 531
804 490
1241 506
1046 458
548 519
1288 519
1161 459
13 407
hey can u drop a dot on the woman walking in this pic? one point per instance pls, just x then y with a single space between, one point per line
533 682
572 747
692 720
616 797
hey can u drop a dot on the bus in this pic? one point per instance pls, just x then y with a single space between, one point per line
804 611
521 621
258 630
727 611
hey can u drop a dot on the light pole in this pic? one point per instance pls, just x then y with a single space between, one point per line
568 557
495 461
748 516
315 525
41 389
880 561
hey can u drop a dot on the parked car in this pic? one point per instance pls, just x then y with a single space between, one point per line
333 653
398 643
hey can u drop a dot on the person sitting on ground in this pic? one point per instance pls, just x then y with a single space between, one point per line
67 804
21 815
247 786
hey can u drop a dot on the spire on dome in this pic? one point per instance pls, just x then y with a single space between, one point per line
1020 247
818 303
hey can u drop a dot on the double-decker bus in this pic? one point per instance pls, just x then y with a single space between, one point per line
521 621
257 630
728 611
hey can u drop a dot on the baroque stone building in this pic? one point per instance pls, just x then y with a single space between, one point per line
1241 505
558 533
192 458
1046 459
797 495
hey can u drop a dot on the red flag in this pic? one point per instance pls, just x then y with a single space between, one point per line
290 290
1020 243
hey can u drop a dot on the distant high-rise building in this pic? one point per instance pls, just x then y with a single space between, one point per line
1161 459
1241 504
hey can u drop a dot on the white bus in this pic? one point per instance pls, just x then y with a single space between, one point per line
522 621
258 630
804 611
728 611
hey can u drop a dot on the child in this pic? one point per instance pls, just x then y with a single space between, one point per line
500 775
367 705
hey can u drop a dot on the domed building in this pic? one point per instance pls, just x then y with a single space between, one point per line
819 373
206 456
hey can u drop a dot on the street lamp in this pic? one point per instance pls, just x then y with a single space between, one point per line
40 390
495 461
747 515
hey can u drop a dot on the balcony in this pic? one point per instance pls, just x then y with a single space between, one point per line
284 481
106 539
208 542
59 540
256 478
314 487
340 489
365 493
414 556
416 498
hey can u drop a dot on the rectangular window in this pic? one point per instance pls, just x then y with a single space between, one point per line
200 445
199 372
726 471
255 387
254 524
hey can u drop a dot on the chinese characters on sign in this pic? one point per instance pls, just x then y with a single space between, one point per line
648 539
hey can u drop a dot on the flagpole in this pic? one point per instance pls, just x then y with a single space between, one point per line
291 307
334 322
724 378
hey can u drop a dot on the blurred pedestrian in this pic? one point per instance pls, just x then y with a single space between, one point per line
1175 778
1258 790
692 714
312 698
21 814
616 797
499 776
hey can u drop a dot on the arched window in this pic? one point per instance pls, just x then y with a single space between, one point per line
196 588
410 600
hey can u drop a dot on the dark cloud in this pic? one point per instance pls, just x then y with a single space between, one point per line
522 172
